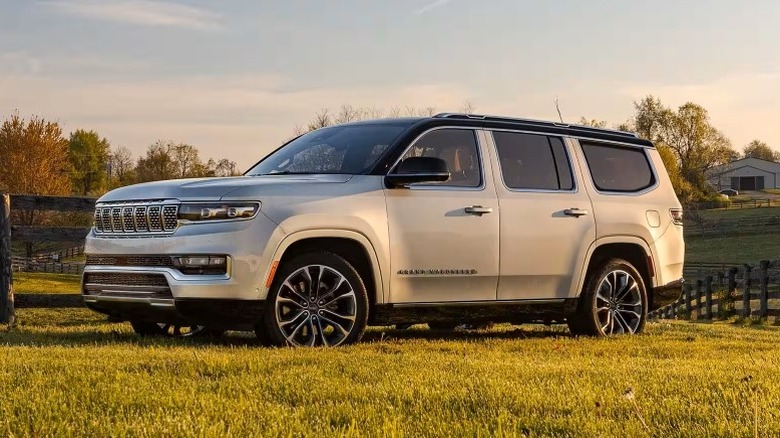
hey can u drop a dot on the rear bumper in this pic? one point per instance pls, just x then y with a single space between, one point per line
666 294
225 314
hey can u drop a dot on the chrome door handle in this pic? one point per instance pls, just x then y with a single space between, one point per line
478 210
576 212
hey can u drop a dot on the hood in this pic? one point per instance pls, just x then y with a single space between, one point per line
193 189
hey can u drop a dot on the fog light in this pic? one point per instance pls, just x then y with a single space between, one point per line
201 264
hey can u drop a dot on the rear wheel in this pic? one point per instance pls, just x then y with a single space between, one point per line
317 299
613 302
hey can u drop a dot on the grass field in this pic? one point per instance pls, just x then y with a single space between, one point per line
35 282
66 372
740 213
735 249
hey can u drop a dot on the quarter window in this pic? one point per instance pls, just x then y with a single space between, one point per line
458 148
618 168
531 161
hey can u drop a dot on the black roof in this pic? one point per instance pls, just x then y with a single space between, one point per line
501 122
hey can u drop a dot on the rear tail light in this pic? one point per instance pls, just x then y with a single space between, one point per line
677 215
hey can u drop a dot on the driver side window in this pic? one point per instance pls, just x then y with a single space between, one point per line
458 148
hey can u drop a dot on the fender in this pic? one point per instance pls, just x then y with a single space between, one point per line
607 240
360 238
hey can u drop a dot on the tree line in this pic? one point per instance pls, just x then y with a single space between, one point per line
38 158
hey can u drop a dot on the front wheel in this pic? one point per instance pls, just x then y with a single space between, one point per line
317 299
614 301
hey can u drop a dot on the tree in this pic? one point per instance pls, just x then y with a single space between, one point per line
593 122
88 155
157 164
223 167
759 149
695 143
119 168
34 160
168 160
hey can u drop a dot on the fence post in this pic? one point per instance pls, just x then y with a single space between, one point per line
708 298
6 278
688 292
746 292
698 298
764 297
732 290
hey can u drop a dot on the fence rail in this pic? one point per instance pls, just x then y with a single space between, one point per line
37 234
758 225
747 291
731 204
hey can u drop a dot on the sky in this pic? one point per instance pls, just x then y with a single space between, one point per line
235 78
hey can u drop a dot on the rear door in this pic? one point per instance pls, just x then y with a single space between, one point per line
546 218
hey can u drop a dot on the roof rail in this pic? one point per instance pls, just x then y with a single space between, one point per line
532 121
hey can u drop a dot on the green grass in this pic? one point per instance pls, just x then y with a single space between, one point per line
65 372
772 191
734 249
39 282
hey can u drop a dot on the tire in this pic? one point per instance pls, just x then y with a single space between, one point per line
605 310
329 311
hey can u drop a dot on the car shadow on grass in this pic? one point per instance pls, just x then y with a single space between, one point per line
82 335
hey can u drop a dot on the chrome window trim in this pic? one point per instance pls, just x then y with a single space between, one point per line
641 192
423 186
569 157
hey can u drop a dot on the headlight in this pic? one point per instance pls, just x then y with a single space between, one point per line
209 211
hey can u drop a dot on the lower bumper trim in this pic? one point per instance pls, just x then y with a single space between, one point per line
226 314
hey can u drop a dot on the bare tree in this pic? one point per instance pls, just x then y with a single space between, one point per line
468 107
558 108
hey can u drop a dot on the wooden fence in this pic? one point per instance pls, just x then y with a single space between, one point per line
738 203
747 291
34 234
726 227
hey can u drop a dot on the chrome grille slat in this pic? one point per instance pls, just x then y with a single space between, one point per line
128 219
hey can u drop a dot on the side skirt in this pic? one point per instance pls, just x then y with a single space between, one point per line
523 311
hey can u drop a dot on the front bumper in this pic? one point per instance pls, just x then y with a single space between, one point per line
165 294
666 294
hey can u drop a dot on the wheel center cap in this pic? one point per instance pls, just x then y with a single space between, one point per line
313 307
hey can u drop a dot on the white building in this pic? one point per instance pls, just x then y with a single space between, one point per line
746 174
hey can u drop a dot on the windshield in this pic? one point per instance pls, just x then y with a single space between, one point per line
348 149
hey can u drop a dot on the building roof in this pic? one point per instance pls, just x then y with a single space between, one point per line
758 163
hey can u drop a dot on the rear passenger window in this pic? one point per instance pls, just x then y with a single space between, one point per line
530 161
618 168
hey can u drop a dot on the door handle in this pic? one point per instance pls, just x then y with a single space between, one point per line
576 212
478 210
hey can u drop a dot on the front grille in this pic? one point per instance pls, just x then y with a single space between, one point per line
125 279
136 218
125 284
143 261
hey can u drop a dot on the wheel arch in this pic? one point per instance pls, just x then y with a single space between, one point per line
632 249
354 247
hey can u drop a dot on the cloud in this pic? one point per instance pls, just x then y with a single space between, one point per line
241 117
141 12
433 5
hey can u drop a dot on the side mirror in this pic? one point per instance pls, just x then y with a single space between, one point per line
418 170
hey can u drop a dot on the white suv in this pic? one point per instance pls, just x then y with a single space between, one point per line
443 220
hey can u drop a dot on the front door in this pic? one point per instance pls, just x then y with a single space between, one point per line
547 220
444 236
